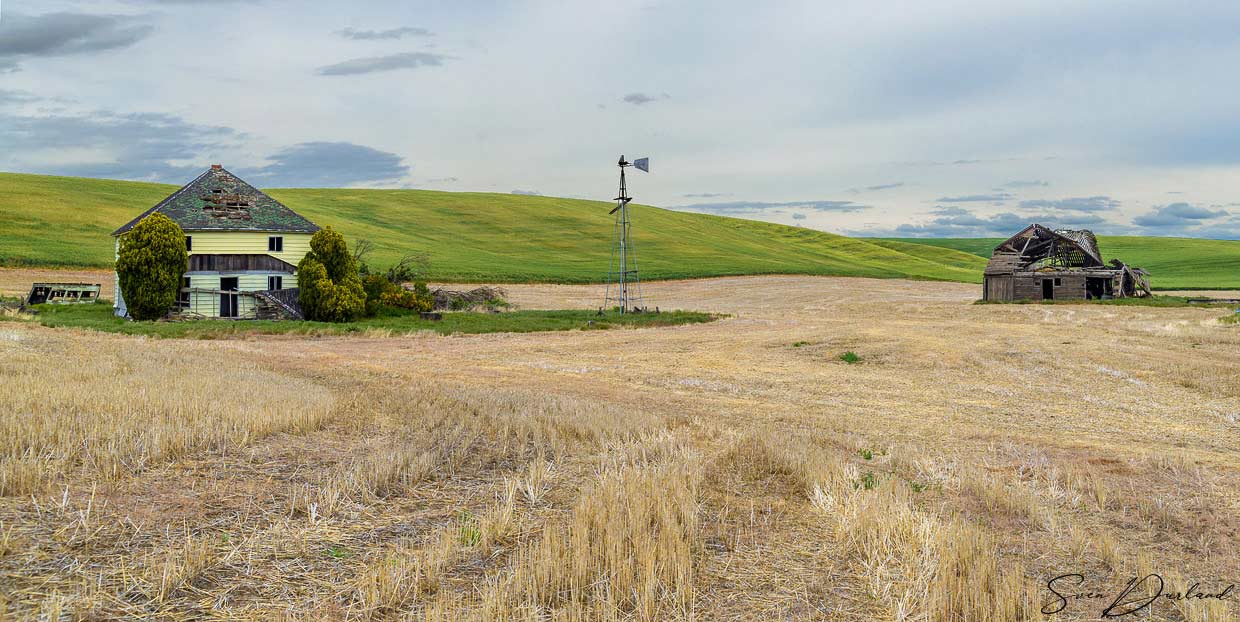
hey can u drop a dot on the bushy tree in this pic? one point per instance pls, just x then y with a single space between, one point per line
419 299
331 290
387 289
149 266
380 292
376 286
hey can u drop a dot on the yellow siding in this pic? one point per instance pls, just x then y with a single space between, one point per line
209 304
245 282
296 245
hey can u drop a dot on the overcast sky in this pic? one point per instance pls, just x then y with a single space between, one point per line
970 118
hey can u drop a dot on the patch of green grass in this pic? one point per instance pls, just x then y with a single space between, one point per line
868 481
1173 263
978 247
867 454
468 529
1234 318
65 221
1147 301
850 357
475 237
800 344
99 317
338 552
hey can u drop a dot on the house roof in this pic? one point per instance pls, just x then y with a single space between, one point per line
220 201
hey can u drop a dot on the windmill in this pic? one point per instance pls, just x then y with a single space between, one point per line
624 285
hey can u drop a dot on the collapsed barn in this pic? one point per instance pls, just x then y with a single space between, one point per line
1043 264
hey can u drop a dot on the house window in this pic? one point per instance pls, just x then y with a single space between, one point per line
1057 283
275 282
189 242
275 244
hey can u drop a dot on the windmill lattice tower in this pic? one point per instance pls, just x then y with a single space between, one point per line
624 284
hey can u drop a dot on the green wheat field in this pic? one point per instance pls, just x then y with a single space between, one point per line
65 222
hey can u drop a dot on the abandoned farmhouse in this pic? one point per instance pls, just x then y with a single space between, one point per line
244 247
1043 264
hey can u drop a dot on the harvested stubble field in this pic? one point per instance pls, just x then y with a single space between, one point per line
737 470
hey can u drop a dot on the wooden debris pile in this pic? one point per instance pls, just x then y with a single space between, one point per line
280 304
15 310
454 300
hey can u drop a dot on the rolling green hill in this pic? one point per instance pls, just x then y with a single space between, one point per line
61 221
65 221
1173 263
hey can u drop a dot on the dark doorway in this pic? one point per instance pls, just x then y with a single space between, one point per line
228 302
38 296
1096 288
1048 289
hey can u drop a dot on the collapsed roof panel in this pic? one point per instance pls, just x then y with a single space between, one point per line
1037 247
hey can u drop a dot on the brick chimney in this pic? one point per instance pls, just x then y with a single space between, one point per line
216 167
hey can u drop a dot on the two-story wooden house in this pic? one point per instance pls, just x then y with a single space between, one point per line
239 240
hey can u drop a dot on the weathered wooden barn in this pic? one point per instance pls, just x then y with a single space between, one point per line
244 247
1043 264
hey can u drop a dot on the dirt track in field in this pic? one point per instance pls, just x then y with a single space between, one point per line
17 281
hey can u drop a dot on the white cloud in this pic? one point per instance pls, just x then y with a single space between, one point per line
391 62
905 102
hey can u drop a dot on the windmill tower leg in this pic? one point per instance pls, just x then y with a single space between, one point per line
624 258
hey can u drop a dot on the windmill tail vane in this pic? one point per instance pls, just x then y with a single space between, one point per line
624 285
